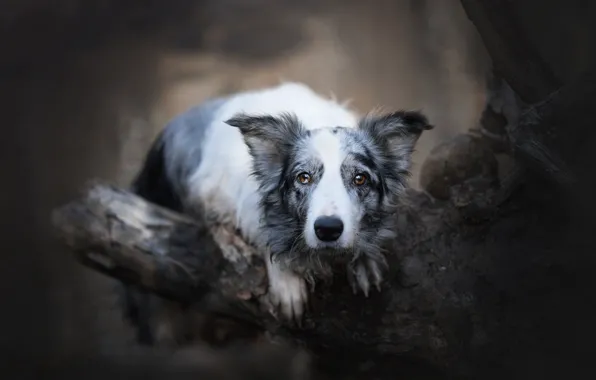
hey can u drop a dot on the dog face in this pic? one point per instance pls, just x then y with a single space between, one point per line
332 190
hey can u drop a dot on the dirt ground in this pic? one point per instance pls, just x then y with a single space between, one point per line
392 54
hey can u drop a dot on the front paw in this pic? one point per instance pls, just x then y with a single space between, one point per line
365 271
288 292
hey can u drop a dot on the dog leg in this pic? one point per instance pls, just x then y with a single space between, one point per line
287 291
366 270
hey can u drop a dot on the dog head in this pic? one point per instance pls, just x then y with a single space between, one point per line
332 190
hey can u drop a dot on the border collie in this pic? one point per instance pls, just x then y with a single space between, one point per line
300 176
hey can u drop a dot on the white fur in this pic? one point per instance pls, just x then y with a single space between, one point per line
287 290
330 198
223 181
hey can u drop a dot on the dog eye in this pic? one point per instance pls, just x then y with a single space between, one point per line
359 179
304 178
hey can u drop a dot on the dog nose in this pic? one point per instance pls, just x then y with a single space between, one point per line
328 228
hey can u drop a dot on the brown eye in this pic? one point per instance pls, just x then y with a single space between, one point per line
359 179
304 178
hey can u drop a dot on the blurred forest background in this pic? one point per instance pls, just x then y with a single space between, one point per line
86 85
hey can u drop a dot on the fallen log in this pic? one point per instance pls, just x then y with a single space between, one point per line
464 269
464 274
123 236
415 317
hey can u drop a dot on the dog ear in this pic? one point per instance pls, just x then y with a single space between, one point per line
397 132
404 127
269 140
395 135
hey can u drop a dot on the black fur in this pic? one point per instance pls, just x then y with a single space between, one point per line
152 183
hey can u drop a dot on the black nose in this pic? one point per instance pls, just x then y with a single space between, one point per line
328 228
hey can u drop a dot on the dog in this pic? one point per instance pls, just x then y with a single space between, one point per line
301 176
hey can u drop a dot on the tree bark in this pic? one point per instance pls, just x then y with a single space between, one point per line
123 236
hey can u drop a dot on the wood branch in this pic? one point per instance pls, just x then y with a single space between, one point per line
123 236
420 314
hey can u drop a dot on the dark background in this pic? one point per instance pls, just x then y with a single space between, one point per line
86 84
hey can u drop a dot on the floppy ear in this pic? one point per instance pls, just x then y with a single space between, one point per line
396 133
269 140
397 130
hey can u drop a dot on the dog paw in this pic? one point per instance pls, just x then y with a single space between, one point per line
288 293
364 272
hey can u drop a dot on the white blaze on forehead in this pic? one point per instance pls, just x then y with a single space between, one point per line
327 147
330 197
